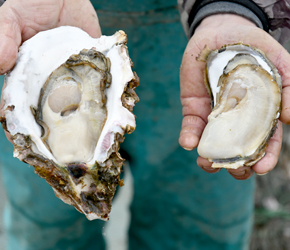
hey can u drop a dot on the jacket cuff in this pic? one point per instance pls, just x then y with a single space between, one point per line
204 8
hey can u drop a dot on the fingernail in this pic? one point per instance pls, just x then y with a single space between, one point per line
188 149
242 173
262 174
211 170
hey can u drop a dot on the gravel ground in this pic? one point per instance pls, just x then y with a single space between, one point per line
272 204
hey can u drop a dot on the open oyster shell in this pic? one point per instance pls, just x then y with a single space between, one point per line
68 103
245 88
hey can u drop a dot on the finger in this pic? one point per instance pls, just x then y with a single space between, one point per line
205 165
280 58
269 161
197 106
192 73
194 99
39 15
242 173
285 112
10 35
195 112
192 127
80 14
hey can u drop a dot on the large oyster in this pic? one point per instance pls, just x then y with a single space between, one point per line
246 94
68 103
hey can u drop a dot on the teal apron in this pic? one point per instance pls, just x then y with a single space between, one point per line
176 205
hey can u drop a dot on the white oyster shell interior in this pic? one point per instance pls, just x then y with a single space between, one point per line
72 111
243 117
246 92
40 56
218 60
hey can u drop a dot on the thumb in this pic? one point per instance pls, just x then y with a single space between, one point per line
10 35
20 20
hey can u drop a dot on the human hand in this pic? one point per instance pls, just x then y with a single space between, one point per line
20 20
216 31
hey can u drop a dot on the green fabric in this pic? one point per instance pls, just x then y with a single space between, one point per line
133 6
176 205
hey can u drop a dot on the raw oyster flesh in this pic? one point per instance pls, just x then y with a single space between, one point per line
245 88
68 103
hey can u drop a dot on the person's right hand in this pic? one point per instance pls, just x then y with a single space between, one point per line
20 20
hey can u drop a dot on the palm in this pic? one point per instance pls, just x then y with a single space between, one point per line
195 99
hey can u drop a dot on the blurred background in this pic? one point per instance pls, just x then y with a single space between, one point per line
271 229
272 202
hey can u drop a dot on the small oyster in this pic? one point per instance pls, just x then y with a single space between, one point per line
246 94
68 103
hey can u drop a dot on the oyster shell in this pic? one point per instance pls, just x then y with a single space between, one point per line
68 103
246 94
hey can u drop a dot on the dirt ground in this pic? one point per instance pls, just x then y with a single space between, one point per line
272 204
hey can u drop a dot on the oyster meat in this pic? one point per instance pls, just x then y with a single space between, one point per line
245 88
68 102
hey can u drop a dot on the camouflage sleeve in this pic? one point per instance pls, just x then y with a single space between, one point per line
278 12
271 15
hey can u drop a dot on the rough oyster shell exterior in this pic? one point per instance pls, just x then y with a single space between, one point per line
89 184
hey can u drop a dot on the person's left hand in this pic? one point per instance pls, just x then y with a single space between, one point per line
216 31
